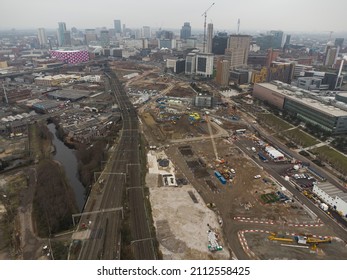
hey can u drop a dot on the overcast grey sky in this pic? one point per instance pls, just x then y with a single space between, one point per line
290 15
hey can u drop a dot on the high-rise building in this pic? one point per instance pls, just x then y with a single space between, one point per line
277 39
238 49
164 34
104 38
222 75
204 64
117 26
90 36
339 42
61 33
220 43
331 54
264 41
166 43
186 31
209 38
146 32
67 38
190 63
41 33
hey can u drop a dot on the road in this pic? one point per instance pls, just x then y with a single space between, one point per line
119 182
338 230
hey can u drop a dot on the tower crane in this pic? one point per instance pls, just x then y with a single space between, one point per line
205 15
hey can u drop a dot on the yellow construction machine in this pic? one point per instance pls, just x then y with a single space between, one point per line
274 237
300 239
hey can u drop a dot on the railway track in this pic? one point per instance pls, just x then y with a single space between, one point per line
124 170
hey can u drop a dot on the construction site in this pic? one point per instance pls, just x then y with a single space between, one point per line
209 150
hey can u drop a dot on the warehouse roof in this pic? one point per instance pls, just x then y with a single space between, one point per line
332 190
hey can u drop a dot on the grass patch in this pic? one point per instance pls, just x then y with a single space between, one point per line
275 122
334 158
301 138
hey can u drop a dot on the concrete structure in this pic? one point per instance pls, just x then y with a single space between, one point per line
186 31
302 104
332 196
117 26
190 64
71 57
209 38
240 76
238 49
41 34
272 55
257 59
204 64
331 53
222 76
342 97
176 64
203 101
56 80
299 70
270 93
310 83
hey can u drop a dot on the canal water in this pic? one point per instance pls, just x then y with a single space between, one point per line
67 158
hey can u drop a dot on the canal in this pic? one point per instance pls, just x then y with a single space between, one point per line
67 158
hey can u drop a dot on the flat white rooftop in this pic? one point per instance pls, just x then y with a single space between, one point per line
309 102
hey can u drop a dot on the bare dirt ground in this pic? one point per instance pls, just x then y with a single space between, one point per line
238 204
25 244
182 222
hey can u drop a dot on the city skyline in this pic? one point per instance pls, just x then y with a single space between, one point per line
306 16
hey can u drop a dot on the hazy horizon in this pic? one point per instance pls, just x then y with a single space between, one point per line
313 16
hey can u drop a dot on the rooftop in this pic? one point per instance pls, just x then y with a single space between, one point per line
332 190
298 96
343 94
72 95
